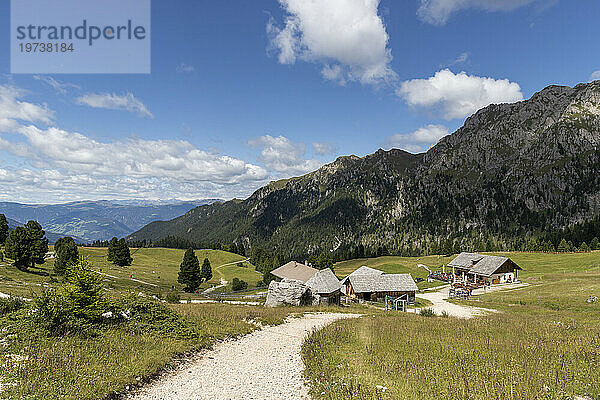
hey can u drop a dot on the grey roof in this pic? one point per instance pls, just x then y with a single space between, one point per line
465 260
364 270
324 281
382 283
480 264
295 270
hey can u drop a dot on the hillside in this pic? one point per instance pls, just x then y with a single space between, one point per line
512 171
88 221
153 271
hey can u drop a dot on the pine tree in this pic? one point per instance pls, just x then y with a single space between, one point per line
17 248
3 228
27 245
189 271
123 255
206 272
563 246
584 248
595 244
112 248
39 243
118 252
66 254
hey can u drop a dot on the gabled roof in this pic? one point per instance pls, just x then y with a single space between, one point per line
480 264
382 283
295 270
364 270
465 260
323 282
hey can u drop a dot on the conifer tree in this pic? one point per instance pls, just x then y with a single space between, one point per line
3 228
206 272
66 254
189 271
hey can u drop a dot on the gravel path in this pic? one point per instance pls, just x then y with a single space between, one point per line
440 305
263 365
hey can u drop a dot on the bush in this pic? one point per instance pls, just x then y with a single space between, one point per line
173 297
238 284
427 312
11 304
84 292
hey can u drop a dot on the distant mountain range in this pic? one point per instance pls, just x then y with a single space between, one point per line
87 221
511 173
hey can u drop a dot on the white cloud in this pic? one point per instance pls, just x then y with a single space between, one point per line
13 109
282 155
419 140
458 95
323 149
347 37
55 165
437 12
60 87
113 101
185 68
595 75
460 59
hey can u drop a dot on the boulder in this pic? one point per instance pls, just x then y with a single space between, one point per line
288 292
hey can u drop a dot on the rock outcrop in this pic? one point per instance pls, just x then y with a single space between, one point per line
288 292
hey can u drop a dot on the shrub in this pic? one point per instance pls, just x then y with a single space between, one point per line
11 304
84 292
173 297
238 284
427 312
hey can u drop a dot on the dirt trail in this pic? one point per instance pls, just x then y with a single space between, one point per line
263 365
440 305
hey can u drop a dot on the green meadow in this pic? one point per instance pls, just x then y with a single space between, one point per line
544 343
154 270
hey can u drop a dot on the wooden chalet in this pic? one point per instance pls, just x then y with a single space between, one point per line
373 285
294 270
481 269
325 287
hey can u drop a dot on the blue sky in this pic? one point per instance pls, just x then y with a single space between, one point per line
244 92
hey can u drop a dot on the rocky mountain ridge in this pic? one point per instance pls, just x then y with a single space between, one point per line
512 171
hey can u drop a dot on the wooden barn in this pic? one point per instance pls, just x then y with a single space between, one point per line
294 270
373 285
481 269
325 287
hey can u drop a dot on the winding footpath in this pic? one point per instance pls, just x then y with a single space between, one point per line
263 365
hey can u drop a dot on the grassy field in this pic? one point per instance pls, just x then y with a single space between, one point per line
103 360
156 268
544 344
396 265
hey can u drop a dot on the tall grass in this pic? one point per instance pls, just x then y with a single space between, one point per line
544 344
498 357
95 362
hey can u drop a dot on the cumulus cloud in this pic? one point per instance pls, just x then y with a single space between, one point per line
58 165
458 95
595 75
283 156
126 102
185 68
347 37
437 12
13 109
60 87
419 140
323 149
